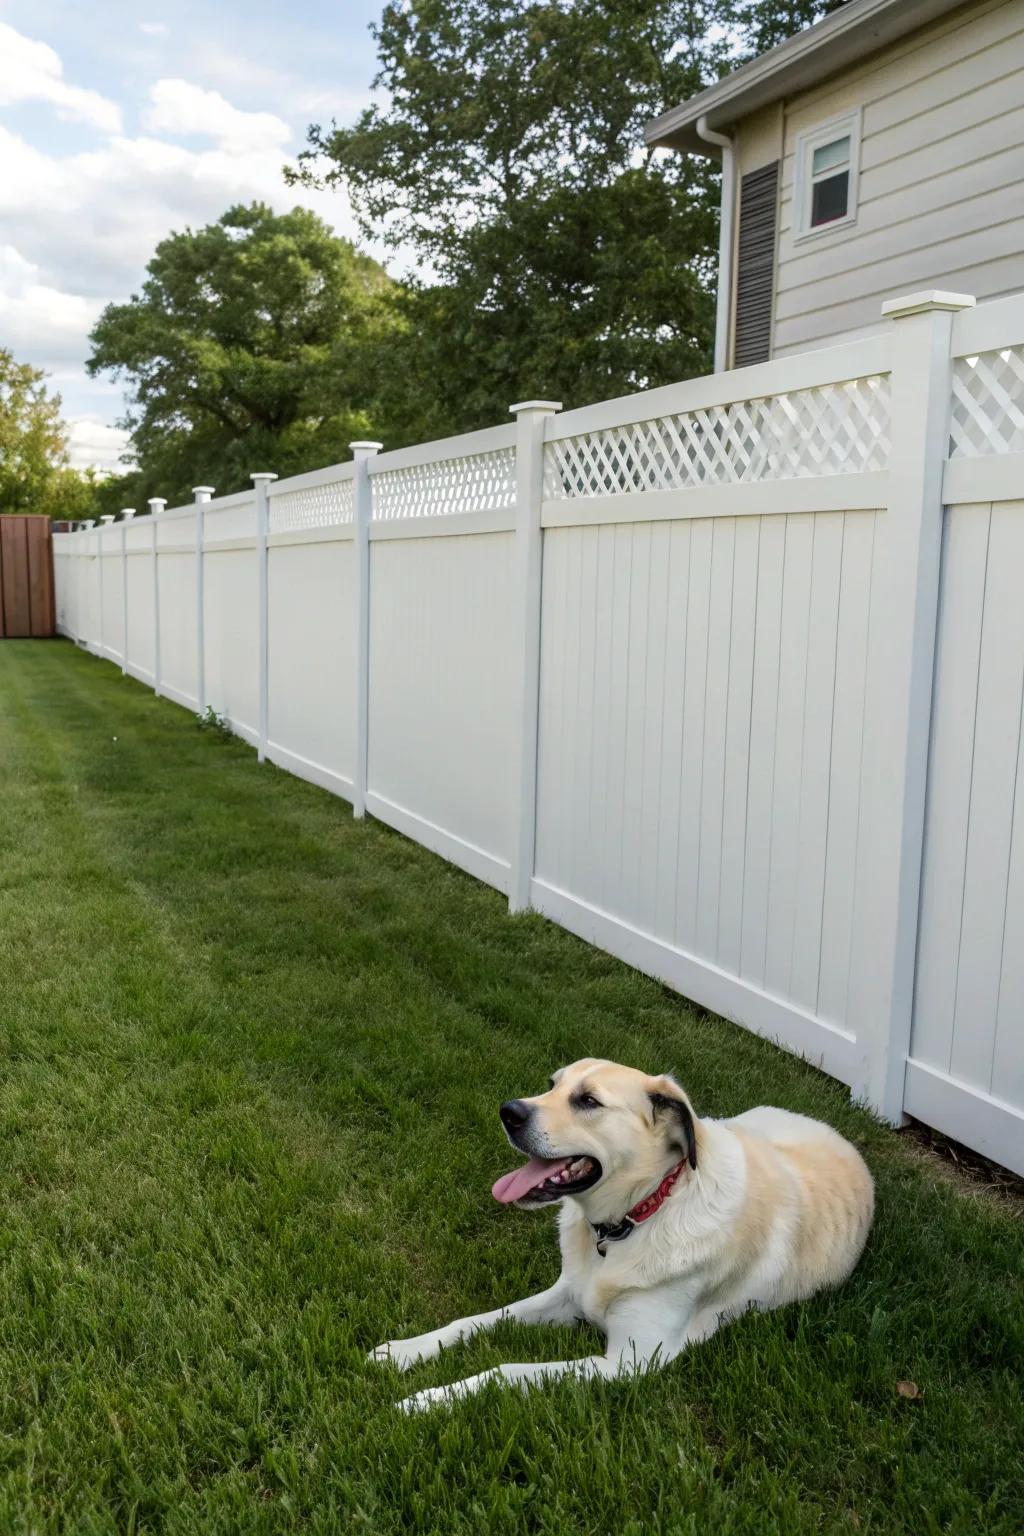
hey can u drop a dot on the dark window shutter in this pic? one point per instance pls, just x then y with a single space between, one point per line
755 266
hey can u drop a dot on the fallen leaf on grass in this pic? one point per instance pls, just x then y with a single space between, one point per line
908 1389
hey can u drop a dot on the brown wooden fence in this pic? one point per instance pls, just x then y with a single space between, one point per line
26 577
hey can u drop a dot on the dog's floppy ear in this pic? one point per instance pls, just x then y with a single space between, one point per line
668 1099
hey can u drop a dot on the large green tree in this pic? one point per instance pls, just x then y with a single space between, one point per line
253 344
508 157
33 446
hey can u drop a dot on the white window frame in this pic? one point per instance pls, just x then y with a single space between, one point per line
815 138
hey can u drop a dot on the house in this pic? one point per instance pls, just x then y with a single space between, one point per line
878 152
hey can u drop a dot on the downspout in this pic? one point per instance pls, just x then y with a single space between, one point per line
723 312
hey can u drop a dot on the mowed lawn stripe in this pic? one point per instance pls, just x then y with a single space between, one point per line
253 1052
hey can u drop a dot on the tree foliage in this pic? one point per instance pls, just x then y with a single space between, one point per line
510 160
33 447
254 344
567 259
73 495
763 24
35 475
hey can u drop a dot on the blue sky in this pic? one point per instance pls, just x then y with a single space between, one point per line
121 121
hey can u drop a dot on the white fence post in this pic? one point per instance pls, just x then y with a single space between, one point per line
156 506
202 494
362 452
82 638
262 480
530 418
900 663
105 522
127 513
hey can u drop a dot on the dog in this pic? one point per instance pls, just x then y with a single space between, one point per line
670 1226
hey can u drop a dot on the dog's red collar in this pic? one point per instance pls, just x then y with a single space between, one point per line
645 1208
615 1231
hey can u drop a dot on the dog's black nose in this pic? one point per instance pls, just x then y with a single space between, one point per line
514 1114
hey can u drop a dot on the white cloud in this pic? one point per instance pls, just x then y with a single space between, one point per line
180 108
90 221
38 319
93 444
154 28
32 71
290 93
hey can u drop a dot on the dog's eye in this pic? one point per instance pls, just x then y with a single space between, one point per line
586 1101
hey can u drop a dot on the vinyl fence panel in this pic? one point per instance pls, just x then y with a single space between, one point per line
138 560
312 629
176 583
701 656
111 572
231 617
442 663
965 1071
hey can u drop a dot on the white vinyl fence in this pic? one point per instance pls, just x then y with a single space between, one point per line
725 677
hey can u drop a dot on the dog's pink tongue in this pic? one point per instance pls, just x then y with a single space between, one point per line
513 1186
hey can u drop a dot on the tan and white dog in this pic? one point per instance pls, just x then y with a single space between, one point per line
670 1225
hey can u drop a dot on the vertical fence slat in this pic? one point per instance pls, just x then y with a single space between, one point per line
530 418
106 521
126 517
202 494
156 506
362 452
262 481
40 575
17 622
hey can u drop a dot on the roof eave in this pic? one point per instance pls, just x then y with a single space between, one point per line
860 28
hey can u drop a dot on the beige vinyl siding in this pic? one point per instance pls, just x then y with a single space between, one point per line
760 142
941 195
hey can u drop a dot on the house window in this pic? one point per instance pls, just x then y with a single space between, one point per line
826 177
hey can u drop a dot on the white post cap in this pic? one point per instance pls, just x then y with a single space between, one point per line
203 492
263 474
157 503
364 448
928 301
127 512
108 517
535 405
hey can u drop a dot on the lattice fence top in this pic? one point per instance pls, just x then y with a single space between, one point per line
316 506
829 430
480 482
988 404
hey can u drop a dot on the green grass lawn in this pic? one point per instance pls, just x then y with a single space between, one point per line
253 1052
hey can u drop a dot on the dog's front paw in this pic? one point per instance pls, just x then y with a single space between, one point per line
403 1353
